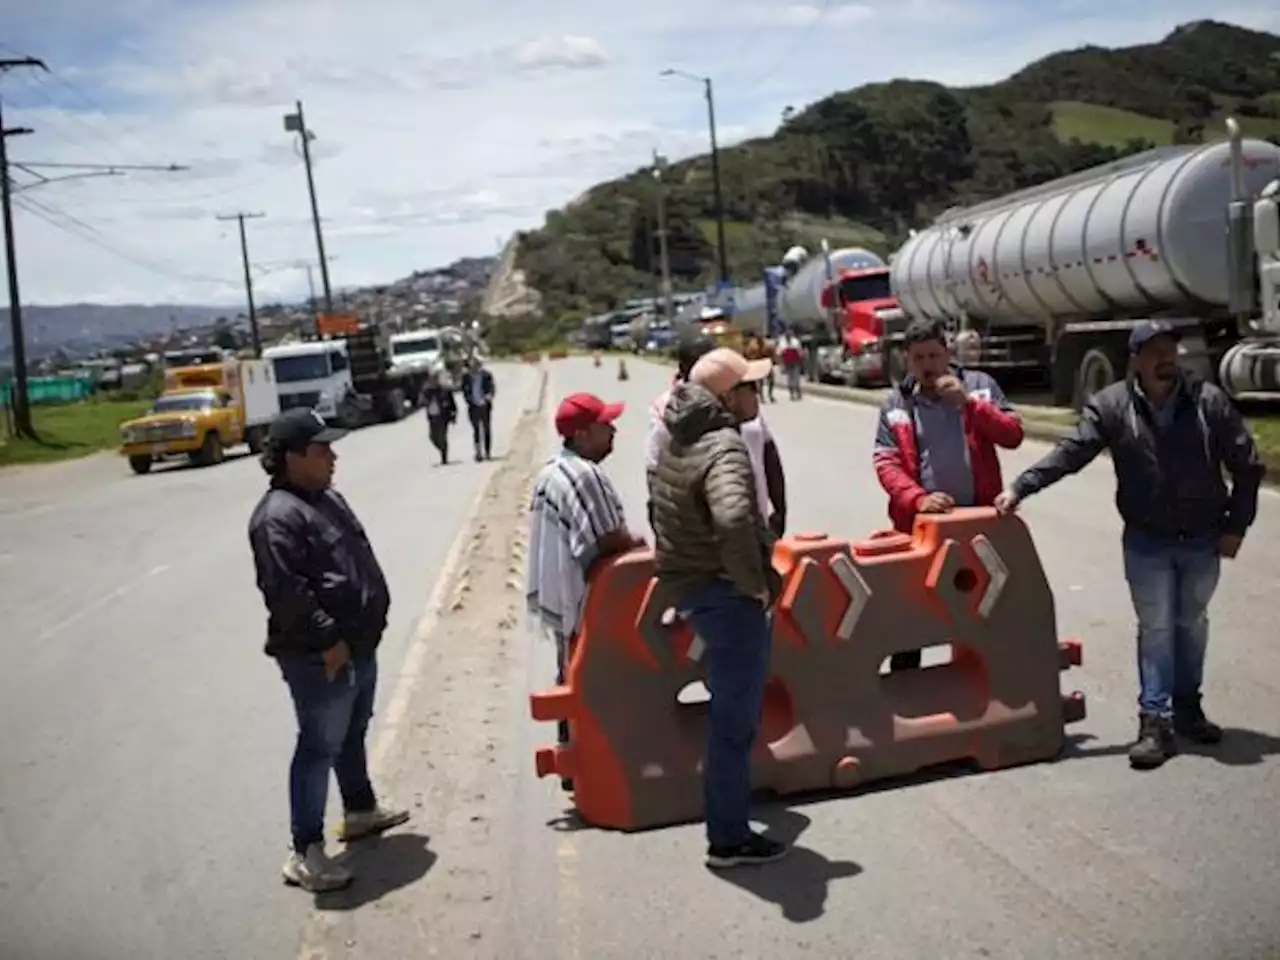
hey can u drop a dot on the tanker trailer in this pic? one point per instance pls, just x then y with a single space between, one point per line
1052 278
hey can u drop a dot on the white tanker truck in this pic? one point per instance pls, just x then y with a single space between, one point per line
1053 278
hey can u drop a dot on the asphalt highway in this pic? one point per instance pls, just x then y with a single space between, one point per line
142 804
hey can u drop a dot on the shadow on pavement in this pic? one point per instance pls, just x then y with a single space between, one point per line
381 865
1239 747
1076 748
799 883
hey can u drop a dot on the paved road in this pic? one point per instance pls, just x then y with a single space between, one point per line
146 738
1078 858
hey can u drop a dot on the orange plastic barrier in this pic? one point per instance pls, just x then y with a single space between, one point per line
970 579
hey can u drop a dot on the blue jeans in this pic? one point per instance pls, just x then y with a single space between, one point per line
333 718
1171 583
737 633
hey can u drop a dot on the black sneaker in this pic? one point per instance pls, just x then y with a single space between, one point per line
1155 743
756 850
1190 723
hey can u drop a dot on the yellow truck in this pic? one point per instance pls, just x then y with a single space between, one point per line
204 410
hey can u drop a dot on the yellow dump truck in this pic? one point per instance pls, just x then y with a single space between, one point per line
203 410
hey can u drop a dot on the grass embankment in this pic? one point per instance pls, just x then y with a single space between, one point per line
1266 433
71 430
1091 123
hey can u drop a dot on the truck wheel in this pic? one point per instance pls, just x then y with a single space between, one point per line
140 465
210 451
256 438
1096 372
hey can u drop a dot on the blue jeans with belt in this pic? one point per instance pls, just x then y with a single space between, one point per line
333 719
737 633
1171 583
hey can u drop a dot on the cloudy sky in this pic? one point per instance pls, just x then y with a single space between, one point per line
441 127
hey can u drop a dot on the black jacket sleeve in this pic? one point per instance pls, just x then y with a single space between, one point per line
1234 447
279 555
1073 453
488 384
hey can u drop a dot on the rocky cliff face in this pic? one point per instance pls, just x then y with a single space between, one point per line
508 294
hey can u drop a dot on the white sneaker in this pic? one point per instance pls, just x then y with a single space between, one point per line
314 871
365 823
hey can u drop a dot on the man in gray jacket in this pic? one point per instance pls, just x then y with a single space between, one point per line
713 555
1170 436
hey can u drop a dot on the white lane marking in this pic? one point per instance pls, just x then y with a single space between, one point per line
101 602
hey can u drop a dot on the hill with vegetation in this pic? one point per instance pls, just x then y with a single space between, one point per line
864 166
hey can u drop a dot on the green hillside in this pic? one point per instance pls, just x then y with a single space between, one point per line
862 167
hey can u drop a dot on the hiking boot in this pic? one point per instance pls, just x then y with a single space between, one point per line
756 850
1155 743
314 871
1190 723
365 823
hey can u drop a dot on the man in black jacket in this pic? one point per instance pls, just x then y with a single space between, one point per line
478 390
1170 435
327 604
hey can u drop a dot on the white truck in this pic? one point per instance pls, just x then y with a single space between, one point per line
315 374
1052 279
416 349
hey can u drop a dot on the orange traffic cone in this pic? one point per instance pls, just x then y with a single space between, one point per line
622 369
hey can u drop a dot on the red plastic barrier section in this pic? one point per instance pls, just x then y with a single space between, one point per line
969 579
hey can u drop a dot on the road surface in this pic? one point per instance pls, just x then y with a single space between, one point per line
143 791
143 768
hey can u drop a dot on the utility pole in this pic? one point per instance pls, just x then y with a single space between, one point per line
659 165
721 248
296 123
248 278
22 425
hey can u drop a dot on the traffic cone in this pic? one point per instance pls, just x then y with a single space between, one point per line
596 357
622 369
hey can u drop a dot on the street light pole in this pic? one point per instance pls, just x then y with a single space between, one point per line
248 278
659 164
296 123
721 247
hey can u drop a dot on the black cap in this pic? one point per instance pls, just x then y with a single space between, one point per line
298 427
1148 330
692 347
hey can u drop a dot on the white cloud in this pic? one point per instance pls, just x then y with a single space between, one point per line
439 129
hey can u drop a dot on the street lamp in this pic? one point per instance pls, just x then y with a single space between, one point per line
296 123
721 249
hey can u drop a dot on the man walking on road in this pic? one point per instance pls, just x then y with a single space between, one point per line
576 519
327 604
714 556
478 390
1170 436
937 437
442 413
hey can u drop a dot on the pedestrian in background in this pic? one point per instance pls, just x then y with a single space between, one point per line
756 348
442 412
478 391
327 603
713 554
937 436
791 353
575 520
1170 435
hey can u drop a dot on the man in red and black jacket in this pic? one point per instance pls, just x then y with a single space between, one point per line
937 437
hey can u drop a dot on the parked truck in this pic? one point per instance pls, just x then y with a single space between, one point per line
1052 279
348 378
203 411
838 303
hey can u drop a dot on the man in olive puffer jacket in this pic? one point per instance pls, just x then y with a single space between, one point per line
713 556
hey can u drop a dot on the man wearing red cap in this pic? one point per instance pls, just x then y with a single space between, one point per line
714 557
575 519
